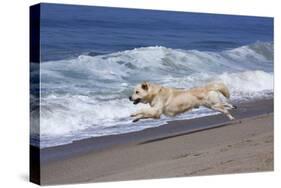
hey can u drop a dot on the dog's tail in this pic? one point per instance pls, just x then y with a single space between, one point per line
221 88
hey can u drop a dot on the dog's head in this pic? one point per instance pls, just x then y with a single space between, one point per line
141 93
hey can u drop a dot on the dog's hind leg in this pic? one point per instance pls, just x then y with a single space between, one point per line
229 106
222 109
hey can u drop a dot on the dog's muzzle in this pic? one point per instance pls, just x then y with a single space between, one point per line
134 101
137 101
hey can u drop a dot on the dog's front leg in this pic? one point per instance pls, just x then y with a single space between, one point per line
154 113
137 113
137 118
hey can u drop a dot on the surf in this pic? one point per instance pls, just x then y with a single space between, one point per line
87 96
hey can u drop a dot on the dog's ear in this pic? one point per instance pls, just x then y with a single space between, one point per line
144 86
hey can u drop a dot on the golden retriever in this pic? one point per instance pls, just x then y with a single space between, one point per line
172 101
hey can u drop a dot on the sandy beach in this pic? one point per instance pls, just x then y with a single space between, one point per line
243 145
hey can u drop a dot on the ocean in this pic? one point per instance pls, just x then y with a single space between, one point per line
92 57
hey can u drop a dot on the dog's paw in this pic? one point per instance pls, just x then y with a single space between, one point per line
231 118
135 120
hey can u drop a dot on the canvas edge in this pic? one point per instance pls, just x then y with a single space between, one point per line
34 57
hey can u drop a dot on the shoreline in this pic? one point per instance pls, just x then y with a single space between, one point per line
165 131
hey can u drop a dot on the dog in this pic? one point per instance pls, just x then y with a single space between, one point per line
172 101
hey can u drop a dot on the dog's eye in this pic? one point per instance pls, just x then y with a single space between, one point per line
137 92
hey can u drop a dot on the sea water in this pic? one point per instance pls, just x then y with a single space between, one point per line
93 57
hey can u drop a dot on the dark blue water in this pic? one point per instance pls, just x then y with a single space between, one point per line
69 31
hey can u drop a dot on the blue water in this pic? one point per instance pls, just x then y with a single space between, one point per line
92 58
69 31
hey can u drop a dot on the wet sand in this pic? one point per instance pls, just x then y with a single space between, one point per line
213 146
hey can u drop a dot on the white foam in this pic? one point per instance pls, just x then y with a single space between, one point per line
65 114
68 114
154 61
239 83
248 82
